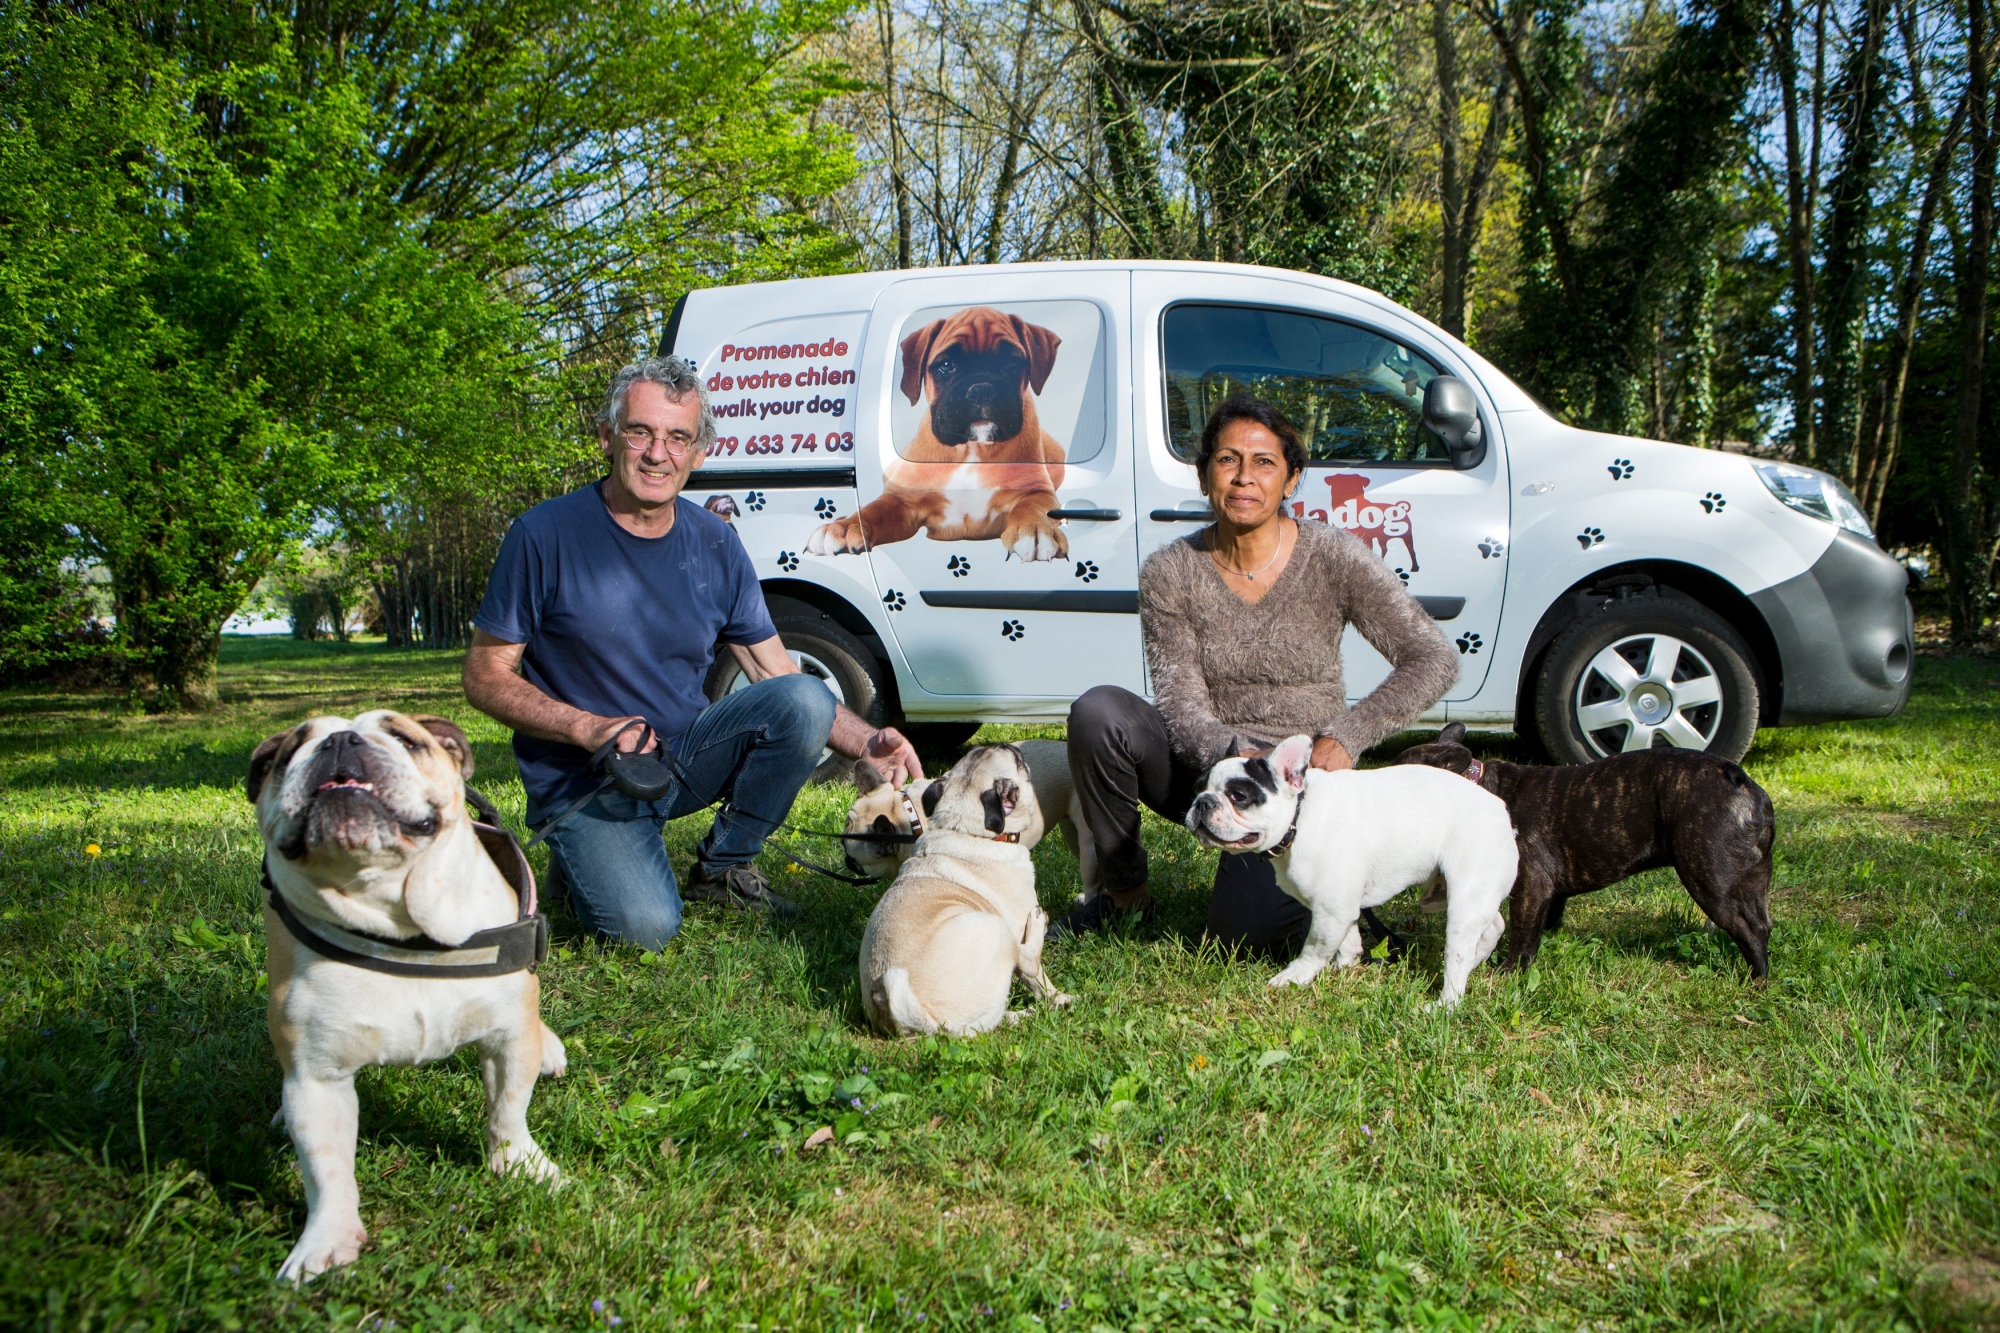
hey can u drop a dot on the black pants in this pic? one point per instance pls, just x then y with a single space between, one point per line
1119 759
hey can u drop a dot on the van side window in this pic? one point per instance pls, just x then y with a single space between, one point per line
1356 396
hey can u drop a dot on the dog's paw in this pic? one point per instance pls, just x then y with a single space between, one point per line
1039 538
526 1159
1294 976
843 536
323 1246
555 1056
1059 1000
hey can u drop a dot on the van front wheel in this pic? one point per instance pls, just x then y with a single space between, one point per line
1646 673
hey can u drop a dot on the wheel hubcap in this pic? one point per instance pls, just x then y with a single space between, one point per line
1646 691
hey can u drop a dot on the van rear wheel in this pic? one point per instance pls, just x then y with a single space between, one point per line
1646 673
828 653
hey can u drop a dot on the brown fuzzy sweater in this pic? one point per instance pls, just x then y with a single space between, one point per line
1226 672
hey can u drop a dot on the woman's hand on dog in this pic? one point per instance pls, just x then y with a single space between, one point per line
1329 755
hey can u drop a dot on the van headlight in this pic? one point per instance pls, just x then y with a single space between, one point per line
1813 492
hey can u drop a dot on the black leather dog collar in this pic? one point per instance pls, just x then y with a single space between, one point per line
1284 844
499 952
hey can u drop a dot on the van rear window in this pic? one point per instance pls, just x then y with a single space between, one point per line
1355 395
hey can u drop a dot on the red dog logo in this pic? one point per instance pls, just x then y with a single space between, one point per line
1376 522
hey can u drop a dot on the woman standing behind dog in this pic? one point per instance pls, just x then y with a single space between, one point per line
1242 624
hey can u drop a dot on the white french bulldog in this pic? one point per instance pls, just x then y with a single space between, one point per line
1344 841
368 843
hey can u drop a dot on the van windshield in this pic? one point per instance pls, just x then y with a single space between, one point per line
1355 395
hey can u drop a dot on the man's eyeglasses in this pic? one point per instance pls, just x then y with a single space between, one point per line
642 438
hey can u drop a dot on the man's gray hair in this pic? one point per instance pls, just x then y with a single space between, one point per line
675 375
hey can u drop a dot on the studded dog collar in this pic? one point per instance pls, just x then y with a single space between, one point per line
1284 844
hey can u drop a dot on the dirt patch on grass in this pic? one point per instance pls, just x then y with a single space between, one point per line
1966 1286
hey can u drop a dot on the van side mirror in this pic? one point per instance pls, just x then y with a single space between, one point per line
1452 414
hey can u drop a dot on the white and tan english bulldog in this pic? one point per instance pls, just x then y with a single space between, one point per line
944 944
370 851
882 809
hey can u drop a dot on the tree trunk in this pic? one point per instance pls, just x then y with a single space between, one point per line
886 23
1845 271
1451 190
1968 558
1876 462
1798 232
1019 117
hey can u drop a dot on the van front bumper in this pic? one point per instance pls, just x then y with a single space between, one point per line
1846 638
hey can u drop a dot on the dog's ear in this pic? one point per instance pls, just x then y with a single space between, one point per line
451 736
1040 345
263 757
867 777
917 359
1453 734
1000 800
1292 757
930 797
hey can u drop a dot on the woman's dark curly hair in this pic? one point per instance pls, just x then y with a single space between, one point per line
1243 407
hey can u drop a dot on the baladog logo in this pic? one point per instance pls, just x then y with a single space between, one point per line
1377 522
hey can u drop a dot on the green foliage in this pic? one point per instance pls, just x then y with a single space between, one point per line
1630 1136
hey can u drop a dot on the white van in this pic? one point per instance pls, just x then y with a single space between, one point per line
949 479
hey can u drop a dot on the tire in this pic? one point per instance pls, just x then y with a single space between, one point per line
1607 683
822 649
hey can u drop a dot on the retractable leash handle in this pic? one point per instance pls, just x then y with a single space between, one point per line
640 776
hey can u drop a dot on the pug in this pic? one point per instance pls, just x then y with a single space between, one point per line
1343 841
370 853
881 808
943 945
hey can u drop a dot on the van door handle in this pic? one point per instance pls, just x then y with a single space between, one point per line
1089 515
1182 516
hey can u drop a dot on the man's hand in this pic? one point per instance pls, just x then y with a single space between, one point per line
1330 756
597 730
893 756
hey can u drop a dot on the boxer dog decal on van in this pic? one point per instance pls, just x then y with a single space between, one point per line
979 466
1377 522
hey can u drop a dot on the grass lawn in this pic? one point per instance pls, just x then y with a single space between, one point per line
1629 1136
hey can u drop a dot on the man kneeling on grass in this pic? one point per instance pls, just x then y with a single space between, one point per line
605 607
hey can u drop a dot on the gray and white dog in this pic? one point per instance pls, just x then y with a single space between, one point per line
1340 842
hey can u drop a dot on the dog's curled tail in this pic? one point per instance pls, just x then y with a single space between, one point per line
901 1002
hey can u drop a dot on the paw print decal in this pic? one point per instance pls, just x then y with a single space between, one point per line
788 560
1712 503
894 600
1491 548
754 501
959 566
1469 644
1590 537
1402 574
1620 469
1013 631
1087 570
824 507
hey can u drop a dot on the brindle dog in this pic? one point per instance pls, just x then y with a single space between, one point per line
1584 827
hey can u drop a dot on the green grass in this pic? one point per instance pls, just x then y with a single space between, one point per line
1630 1136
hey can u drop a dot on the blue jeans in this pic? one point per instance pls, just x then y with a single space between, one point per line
755 748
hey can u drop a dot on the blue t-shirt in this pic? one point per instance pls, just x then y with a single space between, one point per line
614 624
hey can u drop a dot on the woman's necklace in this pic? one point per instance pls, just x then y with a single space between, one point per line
1244 573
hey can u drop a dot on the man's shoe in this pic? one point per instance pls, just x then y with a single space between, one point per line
741 886
1100 913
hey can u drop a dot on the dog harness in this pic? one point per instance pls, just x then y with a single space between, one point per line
498 952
